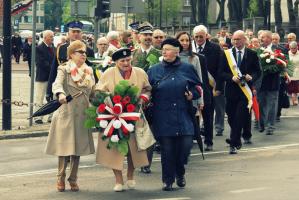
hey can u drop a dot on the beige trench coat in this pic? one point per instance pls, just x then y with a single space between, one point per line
67 135
111 157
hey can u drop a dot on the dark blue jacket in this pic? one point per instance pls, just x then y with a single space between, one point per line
170 110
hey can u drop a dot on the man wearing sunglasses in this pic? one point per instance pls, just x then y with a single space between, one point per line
74 33
158 38
212 52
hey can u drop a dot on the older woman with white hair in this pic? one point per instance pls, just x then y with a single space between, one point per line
114 41
294 85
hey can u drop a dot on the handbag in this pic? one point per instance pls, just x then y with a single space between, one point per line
143 134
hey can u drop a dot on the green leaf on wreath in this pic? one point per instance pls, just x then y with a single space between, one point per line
122 147
91 112
89 123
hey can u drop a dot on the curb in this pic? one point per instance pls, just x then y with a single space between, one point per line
24 135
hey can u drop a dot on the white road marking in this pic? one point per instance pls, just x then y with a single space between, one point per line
248 190
179 198
49 171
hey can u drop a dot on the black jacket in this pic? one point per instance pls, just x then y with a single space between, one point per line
207 91
213 52
249 65
44 59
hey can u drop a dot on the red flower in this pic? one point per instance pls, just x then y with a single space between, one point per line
277 51
126 100
101 108
130 108
278 62
116 99
117 109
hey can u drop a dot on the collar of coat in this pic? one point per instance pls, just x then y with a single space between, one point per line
175 63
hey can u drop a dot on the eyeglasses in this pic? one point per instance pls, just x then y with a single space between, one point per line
81 52
199 36
158 37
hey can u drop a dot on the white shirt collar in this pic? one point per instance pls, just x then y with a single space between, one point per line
147 51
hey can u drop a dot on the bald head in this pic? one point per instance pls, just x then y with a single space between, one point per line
239 39
102 45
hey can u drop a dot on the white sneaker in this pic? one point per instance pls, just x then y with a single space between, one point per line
118 187
131 184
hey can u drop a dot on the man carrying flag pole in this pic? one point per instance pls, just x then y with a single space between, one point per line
240 70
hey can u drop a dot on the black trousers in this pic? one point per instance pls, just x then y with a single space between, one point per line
208 119
174 156
282 89
239 119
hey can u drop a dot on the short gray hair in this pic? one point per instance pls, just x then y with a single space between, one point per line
112 35
46 33
200 28
293 44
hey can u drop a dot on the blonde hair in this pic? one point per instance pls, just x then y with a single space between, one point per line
77 44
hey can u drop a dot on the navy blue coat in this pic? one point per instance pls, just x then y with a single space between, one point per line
170 110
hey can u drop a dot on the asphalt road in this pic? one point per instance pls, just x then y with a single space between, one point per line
267 169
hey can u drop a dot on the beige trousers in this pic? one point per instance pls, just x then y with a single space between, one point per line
62 165
39 96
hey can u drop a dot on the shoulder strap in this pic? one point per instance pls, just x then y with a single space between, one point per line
162 79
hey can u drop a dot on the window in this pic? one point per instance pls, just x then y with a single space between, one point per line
41 19
187 3
27 19
186 21
41 6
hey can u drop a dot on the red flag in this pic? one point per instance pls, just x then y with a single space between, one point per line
255 107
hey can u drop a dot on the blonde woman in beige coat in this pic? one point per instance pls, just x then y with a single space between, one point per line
68 139
111 157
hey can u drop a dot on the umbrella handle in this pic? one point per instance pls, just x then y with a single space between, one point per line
77 94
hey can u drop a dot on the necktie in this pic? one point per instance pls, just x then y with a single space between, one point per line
50 51
144 54
239 59
199 49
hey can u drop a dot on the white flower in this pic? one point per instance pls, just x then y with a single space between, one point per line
262 55
130 127
262 48
116 124
268 60
272 56
114 138
103 123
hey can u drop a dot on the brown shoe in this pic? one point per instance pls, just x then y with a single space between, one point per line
74 187
60 186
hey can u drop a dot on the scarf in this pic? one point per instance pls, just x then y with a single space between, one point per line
82 76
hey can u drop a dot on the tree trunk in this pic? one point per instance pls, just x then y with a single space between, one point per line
245 6
220 16
230 10
261 8
292 17
193 10
277 13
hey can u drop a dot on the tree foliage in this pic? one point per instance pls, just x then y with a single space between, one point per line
53 12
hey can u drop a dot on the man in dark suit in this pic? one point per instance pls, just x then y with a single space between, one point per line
223 34
44 59
240 69
74 33
212 52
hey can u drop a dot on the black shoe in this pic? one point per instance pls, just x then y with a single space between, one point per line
39 121
146 170
262 129
233 150
247 141
219 134
181 181
228 141
269 132
209 147
167 187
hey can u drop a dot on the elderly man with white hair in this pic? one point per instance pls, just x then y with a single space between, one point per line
212 52
114 41
44 59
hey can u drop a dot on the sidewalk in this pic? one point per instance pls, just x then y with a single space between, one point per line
20 92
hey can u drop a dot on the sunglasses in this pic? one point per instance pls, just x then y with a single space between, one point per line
81 52
158 37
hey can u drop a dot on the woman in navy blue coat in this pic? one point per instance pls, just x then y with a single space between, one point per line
174 87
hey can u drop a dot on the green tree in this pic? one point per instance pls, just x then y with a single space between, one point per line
253 9
53 13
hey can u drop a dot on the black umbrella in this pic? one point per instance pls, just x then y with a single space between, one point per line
51 106
197 136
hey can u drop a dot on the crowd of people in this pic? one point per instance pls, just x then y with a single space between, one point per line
184 77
